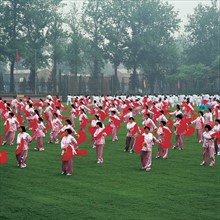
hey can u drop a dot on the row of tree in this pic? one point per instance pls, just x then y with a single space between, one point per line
140 34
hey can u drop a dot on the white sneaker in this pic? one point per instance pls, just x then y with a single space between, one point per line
148 169
69 174
211 164
218 153
203 163
42 149
23 166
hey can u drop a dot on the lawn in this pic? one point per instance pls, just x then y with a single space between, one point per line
176 188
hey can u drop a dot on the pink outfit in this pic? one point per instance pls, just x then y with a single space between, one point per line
68 127
208 118
199 122
40 108
99 143
49 112
127 116
56 126
129 142
216 128
162 152
40 134
179 142
21 158
73 116
149 122
146 152
13 126
67 166
114 130
161 118
82 117
208 148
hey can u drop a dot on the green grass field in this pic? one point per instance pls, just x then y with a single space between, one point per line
176 188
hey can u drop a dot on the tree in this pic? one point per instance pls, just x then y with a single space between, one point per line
38 20
76 47
92 19
203 34
151 25
115 33
11 12
56 38
193 78
215 66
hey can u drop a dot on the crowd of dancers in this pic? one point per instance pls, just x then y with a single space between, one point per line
160 121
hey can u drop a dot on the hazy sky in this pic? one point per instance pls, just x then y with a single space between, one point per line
183 6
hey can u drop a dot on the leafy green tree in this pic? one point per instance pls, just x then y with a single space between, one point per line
11 38
38 22
203 34
215 66
56 39
76 47
150 44
92 19
193 78
115 33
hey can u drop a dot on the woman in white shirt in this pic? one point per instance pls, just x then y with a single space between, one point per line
68 146
23 141
146 151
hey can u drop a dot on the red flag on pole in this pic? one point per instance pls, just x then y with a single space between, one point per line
16 56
